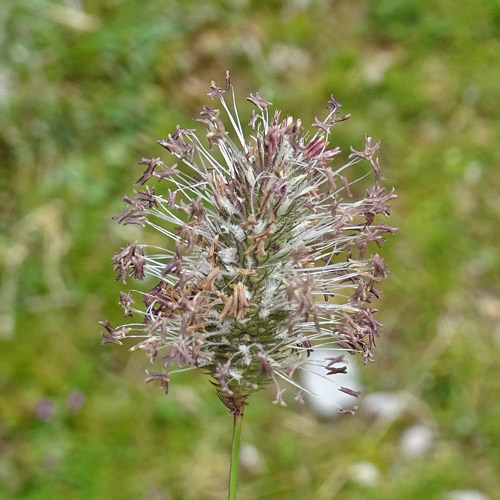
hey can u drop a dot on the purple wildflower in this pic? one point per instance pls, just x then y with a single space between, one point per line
45 409
75 401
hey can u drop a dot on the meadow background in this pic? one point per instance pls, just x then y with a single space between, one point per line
86 89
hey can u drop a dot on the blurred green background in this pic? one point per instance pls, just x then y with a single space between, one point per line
87 87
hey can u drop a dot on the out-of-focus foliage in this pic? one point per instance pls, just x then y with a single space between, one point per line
87 87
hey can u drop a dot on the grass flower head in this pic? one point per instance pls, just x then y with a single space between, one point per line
267 251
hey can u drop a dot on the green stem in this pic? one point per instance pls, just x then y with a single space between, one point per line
233 476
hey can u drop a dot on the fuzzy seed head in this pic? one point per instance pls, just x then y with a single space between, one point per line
266 251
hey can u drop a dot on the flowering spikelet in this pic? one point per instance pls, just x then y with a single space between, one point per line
270 257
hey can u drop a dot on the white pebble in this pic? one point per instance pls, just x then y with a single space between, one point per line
250 458
329 399
385 404
365 473
466 495
417 441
